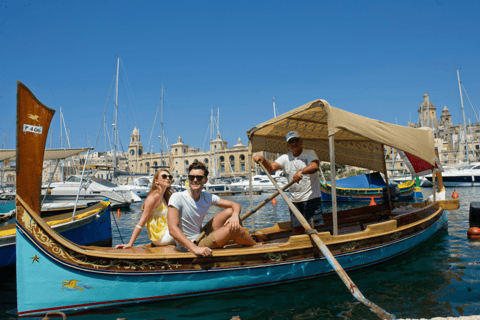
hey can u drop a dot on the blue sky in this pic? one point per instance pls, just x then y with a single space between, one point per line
373 58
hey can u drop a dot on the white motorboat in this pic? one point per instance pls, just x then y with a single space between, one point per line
140 186
466 176
92 189
260 183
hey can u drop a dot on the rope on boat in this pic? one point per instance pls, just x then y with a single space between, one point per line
114 219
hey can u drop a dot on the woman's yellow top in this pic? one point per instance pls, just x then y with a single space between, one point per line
157 223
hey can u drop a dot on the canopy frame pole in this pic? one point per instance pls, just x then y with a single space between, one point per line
81 183
333 183
433 184
389 194
250 183
49 183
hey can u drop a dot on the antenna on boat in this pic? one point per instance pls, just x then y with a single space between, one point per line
274 108
464 122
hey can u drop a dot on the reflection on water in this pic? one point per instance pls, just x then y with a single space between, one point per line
437 279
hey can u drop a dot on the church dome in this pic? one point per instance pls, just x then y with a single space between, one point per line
424 104
135 131
239 144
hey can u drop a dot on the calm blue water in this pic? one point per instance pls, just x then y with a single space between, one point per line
439 279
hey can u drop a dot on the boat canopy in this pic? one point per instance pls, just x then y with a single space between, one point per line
358 140
50 154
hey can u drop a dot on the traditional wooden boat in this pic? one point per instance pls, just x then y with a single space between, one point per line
53 274
367 186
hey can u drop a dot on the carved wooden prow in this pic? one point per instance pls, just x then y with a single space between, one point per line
33 122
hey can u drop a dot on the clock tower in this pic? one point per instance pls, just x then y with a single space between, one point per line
135 152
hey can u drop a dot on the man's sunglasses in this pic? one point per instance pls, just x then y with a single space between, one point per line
199 178
293 140
165 176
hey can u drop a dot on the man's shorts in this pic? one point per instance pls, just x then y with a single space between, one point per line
208 241
310 209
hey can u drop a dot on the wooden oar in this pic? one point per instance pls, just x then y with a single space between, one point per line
208 226
329 256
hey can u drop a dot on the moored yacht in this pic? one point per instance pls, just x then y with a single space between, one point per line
91 189
467 176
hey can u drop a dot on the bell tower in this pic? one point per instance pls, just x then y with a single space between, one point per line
135 151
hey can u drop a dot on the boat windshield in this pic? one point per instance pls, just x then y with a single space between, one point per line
73 179
103 182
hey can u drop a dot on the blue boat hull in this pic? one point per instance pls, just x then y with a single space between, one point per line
415 195
72 288
97 232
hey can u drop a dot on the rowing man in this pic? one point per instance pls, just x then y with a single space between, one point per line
300 165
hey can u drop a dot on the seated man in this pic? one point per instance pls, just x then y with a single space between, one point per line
187 209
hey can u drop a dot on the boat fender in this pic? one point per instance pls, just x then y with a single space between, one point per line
474 214
473 233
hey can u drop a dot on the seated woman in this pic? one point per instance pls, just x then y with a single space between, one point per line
155 212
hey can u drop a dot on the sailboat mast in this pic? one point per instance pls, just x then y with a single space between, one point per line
464 121
428 111
115 124
212 167
161 123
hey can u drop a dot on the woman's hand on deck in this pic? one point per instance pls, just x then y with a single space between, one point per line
122 246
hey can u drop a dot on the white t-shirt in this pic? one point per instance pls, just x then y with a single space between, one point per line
309 187
192 213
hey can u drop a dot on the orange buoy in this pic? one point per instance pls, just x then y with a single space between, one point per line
372 202
454 194
473 233
274 201
118 213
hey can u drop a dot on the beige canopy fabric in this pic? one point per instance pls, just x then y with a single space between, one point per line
50 154
358 140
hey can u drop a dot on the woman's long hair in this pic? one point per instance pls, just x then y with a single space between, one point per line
168 192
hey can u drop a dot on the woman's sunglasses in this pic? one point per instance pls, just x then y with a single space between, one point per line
165 176
199 178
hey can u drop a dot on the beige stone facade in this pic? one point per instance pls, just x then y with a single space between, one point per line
450 140
221 159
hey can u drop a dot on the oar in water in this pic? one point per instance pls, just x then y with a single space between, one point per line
208 227
329 256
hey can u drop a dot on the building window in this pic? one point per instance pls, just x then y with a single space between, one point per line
222 158
186 162
243 166
222 168
206 160
242 157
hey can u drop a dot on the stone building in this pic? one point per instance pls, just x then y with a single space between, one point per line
220 159
455 143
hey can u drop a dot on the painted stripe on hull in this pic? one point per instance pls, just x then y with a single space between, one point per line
126 289
95 233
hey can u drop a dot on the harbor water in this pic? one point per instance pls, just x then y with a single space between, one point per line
440 278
